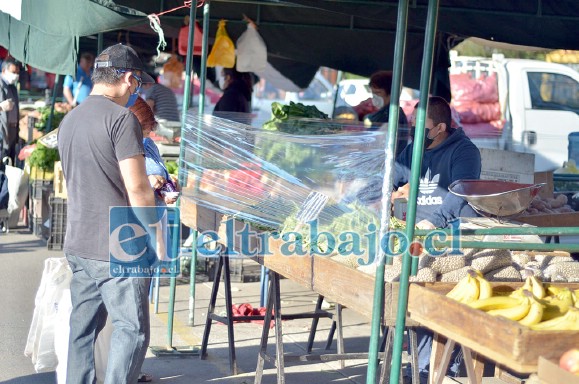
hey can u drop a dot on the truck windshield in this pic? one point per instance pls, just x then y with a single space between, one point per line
553 91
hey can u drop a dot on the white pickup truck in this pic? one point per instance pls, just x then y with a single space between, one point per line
539 106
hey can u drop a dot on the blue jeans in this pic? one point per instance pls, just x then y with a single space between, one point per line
94 293
424 338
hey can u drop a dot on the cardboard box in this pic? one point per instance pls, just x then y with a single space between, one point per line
547 178
59 181
507 166
550 373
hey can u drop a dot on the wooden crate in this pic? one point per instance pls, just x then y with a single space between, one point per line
200 218
501 340
234 239
59 181
296 268
552 220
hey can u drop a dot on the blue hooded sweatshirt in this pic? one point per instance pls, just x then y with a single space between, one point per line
454 159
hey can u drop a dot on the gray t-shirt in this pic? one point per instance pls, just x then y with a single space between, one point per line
92 139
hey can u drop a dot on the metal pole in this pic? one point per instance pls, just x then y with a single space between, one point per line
429 37
336 95
99 43
204 48
387 183
174 223
182 172
52 102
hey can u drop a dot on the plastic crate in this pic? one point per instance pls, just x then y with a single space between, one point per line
57 223
39 229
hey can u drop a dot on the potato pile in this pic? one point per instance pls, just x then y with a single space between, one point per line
550 205
495 264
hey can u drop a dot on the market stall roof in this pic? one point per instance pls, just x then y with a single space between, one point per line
46 34
301 35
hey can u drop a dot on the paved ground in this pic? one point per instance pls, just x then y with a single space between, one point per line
22 255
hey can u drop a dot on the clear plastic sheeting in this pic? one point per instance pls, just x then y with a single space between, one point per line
267 177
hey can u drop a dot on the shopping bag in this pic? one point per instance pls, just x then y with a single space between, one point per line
251 51
18 190
40 345
61 334
223 51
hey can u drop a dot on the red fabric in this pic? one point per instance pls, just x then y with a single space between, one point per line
475 112
183 39
246 309
482 90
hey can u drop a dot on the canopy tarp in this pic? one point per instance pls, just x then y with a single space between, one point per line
301 35
46 34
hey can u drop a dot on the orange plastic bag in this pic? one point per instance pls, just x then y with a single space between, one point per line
223 51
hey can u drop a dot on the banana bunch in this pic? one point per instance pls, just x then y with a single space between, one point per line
532 305
471 288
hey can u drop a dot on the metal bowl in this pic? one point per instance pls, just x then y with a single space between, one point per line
496 198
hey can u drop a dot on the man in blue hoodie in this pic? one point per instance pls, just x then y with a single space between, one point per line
449 155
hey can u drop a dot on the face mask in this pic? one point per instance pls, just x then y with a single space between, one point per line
10 78
222 83
133 98
377 101
428 140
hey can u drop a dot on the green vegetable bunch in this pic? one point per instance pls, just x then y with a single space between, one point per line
296 118
43 157
172 167
43 120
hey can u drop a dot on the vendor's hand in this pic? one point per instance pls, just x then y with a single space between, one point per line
7 105
156 181
170 200
425 224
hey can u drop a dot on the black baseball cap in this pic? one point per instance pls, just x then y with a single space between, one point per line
122 57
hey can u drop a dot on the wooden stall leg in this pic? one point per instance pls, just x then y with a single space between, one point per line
386 362
264 335
340 336
314 326
211 309
468 363
479 366
413 341
229 311
279 357
331 335
437 375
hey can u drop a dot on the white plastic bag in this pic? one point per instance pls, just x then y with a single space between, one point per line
251 51
61 334
18 190
40 345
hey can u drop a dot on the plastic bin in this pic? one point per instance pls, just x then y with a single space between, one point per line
57 223
574 147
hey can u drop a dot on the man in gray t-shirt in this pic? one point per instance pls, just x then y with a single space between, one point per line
100 145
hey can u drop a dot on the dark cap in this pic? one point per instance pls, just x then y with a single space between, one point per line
122 57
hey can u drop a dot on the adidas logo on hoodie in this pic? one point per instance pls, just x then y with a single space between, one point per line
427 186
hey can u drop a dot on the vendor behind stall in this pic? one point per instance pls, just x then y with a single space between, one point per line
76 89
381 84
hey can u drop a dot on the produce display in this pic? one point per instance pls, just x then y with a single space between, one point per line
43 157
494 264
296 118
569 361
535 305
552 205
43 116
